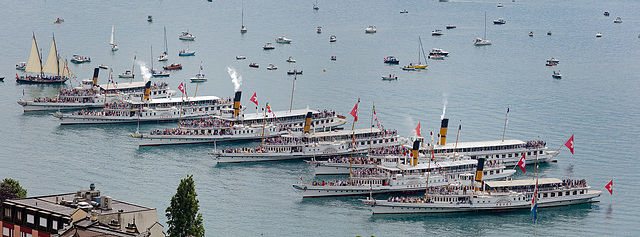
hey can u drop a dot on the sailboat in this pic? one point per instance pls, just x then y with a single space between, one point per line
54 65
243 29
155 73
483 41
129 74
114 47
419 65
186 52
165 55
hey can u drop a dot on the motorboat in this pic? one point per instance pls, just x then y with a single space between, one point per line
160 74
549 33
556 74
254 65
391 60
102 66
551 63
500 5
531 34
437 51
291 60
389 78
21 66
173 66
332 38
283 40
294 72
450 27
319 30
80 59
370 29
553 60
149 18
333 58
272 67
59 20
606 13
436 56
186 36
437 33
499 22
268 46
404 11
598 35
198 78
127 74
186 52
617 20
239 57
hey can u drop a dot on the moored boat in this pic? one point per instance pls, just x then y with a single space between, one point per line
499 22
390 78
437 33
556 75
272 67
291 60
483 41
255 65
294 71
268 46
240 57
332 38
437 51
370 30
617 20
21 66
186 36
173 66
450 27
391 60
80 59
283 40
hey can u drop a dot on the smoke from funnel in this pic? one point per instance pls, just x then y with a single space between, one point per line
444 107
146 73
235 78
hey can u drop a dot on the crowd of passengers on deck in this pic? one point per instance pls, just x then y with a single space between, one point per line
256 149
535 144
354 160
178 131
205 123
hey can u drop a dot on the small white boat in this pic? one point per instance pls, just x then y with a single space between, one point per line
404 11
198 78
254 65
80 59
390 78
436 56
553 60
283 40
617 20
437 33
160 74
268 46
598 35
21 66
291 60
531 34
240 57
499 22
319 30
272 67
500 5
333 58
332 38
437 51
556 74
370 29
127 74
186 36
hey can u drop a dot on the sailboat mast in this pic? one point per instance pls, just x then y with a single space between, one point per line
423 54
165 41
485 25
133 67
292 89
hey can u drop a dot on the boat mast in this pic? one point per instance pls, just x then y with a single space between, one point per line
152 70
165 41
371 126
457 136
423 54
264 122
133 67
426 192
354 139
295 75
485 25
199 74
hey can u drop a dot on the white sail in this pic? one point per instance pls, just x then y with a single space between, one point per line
52 64
112 31
35 62
64 70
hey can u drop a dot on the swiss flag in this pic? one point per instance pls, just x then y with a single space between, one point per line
569 144
254 99
522 163
181 88
609 187
354 112
418 130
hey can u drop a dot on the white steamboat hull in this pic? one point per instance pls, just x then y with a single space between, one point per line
44 106
384 207
256 157
97 119
323 168
159 140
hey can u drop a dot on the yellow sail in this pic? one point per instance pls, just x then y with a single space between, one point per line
35 62
64 70
51 66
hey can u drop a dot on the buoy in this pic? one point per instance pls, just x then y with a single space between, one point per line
324 69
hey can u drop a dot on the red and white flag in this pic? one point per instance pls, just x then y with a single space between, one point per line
569 144
254 99
522 163
609 187
354 112
181 87
418 130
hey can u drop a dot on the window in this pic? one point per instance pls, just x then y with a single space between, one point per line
6 232
43 222
25 234
7 212
30 219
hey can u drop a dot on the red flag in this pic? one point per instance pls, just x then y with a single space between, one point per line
522 163
254 99
418 130
354 112
569 144
181 88
268 108
609 187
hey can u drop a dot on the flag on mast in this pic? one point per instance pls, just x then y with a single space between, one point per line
522 163
569 144
507 119
254 98
418 130
354 112
609 187
268 108
534 203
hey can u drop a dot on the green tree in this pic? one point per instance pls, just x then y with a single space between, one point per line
10 188
182 213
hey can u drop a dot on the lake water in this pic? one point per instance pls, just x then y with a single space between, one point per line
597 100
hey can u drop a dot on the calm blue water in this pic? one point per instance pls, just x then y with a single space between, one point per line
597 100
